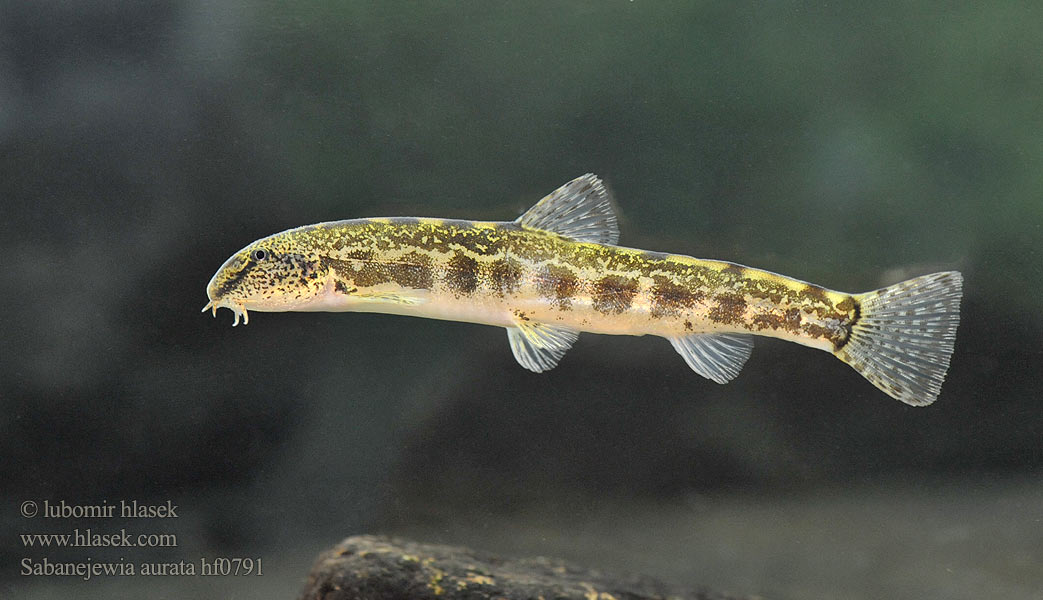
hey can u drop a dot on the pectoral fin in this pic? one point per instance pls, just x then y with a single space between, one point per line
539 347
716 356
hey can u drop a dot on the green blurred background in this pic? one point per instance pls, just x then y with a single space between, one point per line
849 144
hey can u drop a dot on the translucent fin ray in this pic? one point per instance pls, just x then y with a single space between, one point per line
715 356
904 338
539 347
580 210
391 298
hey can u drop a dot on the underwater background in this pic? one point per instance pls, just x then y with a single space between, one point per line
142 143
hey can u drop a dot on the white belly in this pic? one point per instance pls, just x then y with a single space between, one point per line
395 300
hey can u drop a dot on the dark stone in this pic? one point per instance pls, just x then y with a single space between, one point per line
372 567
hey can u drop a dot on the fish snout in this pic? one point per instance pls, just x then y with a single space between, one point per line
216 292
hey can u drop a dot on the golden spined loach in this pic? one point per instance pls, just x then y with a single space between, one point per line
555 272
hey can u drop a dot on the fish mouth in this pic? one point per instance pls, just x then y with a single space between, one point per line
237 308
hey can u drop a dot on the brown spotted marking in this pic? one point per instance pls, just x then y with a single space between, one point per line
767 290
341 287
369 274
792 321
613 294
462 274
847 305
412 271
558 284
505 276
837 336
853 310
815 293
231 282
670 299
778 320
770 320
729 310
359 254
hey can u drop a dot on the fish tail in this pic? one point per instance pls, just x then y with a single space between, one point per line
903 336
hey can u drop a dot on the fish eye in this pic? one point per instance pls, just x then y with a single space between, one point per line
259 254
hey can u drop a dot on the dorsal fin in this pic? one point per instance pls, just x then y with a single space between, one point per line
580 210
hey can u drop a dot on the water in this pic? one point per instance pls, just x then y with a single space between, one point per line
849 146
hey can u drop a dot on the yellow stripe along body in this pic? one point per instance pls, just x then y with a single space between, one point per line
504 273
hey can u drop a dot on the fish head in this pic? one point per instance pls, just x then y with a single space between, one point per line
274 274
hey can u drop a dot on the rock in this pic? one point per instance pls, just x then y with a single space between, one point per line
374 567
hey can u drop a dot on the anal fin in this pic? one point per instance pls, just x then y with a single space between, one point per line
538 347
715 356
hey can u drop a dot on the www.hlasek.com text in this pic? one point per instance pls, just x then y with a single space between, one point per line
89 538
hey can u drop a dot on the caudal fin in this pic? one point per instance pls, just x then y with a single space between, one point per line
904 336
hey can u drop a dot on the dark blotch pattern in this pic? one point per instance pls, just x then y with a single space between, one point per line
670 299
505 276
792 322
558 284
412 271
340 287
462 274
729 309
853 308
786 321
816 293
613 294
370 273
359 254
847 305
818 331
770 291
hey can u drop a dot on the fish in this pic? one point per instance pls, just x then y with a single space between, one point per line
557 271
